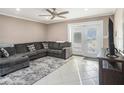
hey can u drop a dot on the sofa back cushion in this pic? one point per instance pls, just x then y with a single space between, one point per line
31 48
57 45
38 45
9 51
53 45
50 45
21 48
61 45
67 44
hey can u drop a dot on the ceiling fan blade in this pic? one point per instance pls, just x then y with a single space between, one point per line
54 9
50 11
61 13
52 17
61 16
44 15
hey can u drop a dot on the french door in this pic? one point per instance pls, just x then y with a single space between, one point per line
77 40
86 38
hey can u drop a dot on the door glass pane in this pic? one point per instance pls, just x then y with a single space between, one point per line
91 40
77 37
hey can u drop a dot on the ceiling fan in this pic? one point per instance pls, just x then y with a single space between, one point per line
54 13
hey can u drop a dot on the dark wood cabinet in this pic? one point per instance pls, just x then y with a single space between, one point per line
111 70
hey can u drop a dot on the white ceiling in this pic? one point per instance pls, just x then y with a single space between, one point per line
33 13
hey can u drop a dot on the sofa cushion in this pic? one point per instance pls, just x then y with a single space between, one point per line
42 50
54 51
10 61
58 45
11 50
50 45
61 45
4 52
36 52
45 45
33 53
27 54
67 44
53 45
31 48
38 45
21 48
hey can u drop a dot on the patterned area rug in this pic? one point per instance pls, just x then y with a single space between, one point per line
38 69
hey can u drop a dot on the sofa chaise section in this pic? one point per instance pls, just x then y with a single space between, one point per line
12 63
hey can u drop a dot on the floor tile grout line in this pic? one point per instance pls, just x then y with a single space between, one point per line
78 71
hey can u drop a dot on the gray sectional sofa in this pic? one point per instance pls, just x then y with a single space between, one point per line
60 50
22 50
20 54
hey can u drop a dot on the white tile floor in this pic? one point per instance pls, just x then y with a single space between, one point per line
78 71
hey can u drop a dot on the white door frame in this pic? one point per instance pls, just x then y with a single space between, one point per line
100 22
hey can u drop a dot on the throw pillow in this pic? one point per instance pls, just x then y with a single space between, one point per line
31 48
4 52
10 50
45 45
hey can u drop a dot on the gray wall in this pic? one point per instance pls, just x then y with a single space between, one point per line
119 28
59 31
13 30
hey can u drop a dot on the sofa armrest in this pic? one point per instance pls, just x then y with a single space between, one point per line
67 52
